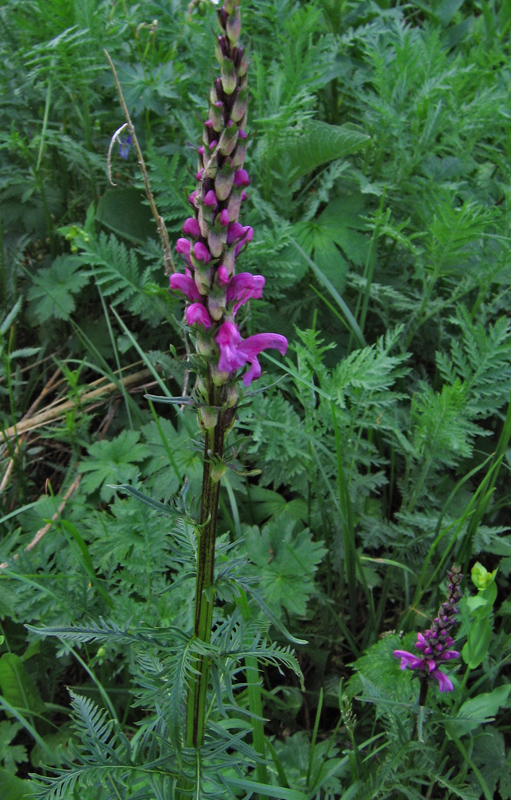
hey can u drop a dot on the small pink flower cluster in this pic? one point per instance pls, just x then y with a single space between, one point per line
216 237
434 645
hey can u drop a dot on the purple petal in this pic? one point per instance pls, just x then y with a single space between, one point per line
263 341
443 681
183 246
248 238
241 178
244 287
197 314
253 373
408 660
228 338
201 252
210 199
186 285
448 654
191 226
223 275
224 217
235 232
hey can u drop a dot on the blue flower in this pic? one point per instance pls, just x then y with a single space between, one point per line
124 146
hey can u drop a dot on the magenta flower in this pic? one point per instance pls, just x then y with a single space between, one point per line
191 227
236 352
183 246
241 178
197 314
435 644
186 285
244 287
210 199
201 252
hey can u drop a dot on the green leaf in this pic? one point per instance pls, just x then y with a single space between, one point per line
12 788
280 793
318 143
479 710
17 687
54 288
11 754
126 213
112 462
478 642
285 563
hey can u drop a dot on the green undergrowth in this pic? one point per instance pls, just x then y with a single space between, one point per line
362 465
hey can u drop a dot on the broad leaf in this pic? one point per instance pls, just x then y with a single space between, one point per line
54 288
318 143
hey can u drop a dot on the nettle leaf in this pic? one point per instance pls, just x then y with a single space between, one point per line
318 143
112 461
285 563
54 288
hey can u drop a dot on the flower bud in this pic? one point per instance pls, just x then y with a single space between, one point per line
228 76
228 139
208 417
216 241
239 107
233 26
224 180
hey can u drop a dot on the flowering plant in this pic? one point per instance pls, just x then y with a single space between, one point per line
214 238
435 643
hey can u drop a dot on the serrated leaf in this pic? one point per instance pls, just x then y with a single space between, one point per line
54 288
112 462
318 143
285 563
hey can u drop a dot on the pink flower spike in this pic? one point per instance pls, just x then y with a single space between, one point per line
191 227
209 123
213 144
201 252
224 217
210 199
183 246
186 285
197 314
199 174
223 276
201 150
241 178
191 198
443 681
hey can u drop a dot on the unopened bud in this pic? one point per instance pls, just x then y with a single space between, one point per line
233 26
228 76
224 180
208 417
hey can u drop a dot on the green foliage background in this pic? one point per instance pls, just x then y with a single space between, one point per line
376 454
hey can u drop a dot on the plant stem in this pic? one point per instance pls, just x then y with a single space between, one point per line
204 600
